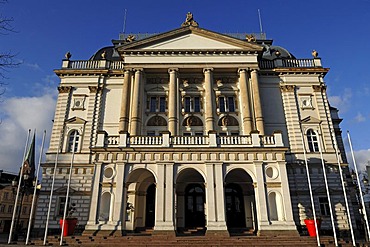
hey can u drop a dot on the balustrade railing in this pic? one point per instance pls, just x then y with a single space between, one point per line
83 64
116 65
290 63
235 140
189 140
253 140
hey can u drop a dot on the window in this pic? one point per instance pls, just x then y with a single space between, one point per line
313 144
24 211
6 195
61 205
324 206
70 141
2 208
157 104
10 208
192 104
226 104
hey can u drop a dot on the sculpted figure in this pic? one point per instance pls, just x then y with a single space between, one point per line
189 21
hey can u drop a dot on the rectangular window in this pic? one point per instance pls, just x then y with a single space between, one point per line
2 208
196 104
61 205
324 206
231 103
153 104
162 104
221 104
24 211
187 104
10 209
6 195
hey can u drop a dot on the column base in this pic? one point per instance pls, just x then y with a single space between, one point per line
278 229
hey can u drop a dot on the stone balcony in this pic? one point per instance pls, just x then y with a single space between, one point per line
290 63
166 140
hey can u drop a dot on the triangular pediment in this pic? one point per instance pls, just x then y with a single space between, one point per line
76 120
311 120
191 38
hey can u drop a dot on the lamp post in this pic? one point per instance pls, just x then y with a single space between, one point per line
26 187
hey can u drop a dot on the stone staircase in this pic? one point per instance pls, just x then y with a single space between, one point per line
189 240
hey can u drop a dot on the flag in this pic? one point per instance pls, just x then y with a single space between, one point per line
29 162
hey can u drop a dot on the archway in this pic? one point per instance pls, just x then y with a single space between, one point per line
141 194
239 201
190 199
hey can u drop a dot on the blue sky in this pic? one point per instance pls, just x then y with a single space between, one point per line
45 30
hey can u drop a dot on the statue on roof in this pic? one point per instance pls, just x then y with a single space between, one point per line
250 38
189 21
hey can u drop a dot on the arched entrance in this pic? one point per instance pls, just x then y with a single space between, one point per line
234 206
194 206
240 207
150 206
190 201
141 194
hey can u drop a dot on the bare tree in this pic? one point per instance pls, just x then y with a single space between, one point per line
7 58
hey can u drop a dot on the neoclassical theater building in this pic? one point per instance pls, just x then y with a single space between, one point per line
193 129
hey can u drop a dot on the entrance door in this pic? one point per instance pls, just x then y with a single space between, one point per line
194 209
150 206
235 216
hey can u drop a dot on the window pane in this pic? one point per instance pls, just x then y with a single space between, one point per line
153 104
231 104
162 104
187 104
70 141
196 104
221 101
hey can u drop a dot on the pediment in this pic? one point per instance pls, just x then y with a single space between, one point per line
63 190
311 120
76 120
191 38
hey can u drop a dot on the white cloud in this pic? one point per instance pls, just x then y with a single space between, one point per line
360 118
342 102
34 66
362 158
19 115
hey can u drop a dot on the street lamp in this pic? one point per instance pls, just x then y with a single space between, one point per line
26 187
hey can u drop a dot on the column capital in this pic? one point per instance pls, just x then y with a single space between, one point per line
240 70
64 89
207 70
138 70
173 70
127 71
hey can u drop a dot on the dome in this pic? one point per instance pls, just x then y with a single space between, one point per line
272 52
111 54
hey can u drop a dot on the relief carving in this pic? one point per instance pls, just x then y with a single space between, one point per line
287 88
64 89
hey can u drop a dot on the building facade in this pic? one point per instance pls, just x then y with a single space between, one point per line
193 129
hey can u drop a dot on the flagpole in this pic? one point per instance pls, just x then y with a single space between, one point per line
359 187
328 194
35 189
344 191
68 187
18 189
310 189
52 190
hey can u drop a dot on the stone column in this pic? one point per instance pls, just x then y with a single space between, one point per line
164 223
118 199
260 194
125 102
245 103
257 102
172 102
216 224
209 102
135 114
95 195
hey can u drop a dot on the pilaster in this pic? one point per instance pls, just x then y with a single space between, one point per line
95 195
172 102
257 102
125 102
245 102
135 114
209 102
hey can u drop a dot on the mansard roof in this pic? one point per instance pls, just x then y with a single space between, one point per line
190 38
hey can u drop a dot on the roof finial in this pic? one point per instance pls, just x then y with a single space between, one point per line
189 21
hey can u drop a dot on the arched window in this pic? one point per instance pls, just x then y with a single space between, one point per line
70 141
313 144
